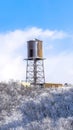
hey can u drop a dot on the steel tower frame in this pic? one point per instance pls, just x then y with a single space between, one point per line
35 71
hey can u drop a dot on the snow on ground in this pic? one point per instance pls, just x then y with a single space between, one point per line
35 108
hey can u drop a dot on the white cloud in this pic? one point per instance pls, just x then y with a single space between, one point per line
59 68
12 52
53 34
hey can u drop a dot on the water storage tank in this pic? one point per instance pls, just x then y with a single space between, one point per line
34 49
39 49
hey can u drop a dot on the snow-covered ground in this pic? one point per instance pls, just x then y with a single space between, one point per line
35 108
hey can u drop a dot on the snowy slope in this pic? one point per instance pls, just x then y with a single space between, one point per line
35 108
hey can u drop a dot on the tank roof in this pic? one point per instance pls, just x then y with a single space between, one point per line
34 40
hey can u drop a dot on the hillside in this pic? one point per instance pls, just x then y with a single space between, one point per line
35 108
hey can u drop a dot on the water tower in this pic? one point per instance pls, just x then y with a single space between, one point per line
35 63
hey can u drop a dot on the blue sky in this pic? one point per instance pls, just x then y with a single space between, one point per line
52 14
48 20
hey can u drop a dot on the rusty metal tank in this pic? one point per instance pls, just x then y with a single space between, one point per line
34 49
39 49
